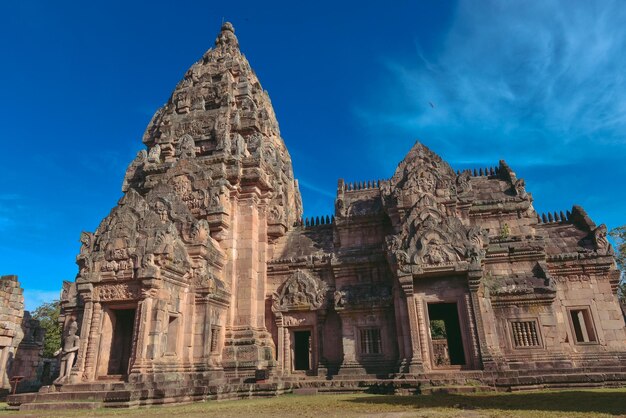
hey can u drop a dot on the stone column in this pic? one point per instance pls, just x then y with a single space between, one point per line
404 337
94 341
86 291
492 359
321 319
416 364
248 307
145 319
281 343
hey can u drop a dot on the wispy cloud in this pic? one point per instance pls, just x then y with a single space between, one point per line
9 206
319 190
543 81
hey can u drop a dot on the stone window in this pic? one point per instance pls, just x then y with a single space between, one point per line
172 335
582 325
370 341
215 335
525 334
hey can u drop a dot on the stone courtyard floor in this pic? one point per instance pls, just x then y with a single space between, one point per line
573 403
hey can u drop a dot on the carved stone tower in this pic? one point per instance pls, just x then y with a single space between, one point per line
183 255
218 143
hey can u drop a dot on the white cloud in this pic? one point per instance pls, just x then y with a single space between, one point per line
543 81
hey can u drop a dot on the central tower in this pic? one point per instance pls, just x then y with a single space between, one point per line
185 251
220 121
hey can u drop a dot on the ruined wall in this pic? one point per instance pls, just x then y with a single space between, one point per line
11 333
21 338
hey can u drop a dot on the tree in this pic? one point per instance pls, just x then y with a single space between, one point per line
619 235
48 316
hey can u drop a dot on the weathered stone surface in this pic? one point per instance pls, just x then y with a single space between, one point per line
205 271
21 339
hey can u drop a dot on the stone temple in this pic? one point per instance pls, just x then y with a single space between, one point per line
205 282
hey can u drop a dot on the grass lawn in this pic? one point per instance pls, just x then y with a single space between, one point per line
575 403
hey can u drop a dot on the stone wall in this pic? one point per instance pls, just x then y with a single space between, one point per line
21 338
11 333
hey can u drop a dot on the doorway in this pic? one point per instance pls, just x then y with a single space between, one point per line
121 341
446 335
302 350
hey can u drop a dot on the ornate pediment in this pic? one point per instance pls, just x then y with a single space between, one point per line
432 238
302 291
421 172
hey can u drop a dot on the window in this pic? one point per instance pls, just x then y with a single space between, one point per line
583 325
172 335
525 334
215 335
370 341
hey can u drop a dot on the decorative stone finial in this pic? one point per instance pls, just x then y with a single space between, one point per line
226 38
227 26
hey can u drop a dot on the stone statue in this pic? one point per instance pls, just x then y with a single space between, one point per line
68 353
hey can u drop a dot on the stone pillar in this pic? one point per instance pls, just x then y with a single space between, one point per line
424 334
416 364
95 312
472 332
207 331
280 350
492 359
86 291
248 268
403 335
145 320
321 319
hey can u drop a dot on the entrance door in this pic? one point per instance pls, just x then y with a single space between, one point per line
446 336
302 350
121 343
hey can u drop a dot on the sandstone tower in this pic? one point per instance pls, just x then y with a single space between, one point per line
190 239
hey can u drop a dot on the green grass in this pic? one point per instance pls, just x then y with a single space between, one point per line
573 403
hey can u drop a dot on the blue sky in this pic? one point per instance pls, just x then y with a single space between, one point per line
535 83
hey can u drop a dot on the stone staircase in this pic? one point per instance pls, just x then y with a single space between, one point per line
128 395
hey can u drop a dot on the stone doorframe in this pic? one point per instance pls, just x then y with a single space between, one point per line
289 322
106 329
466 321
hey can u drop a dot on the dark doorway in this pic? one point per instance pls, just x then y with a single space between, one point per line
445 328
302 350
121 342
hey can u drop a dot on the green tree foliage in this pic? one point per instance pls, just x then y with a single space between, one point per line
438 329
619 235
48 316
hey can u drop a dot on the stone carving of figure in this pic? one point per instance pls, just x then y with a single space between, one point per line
340 300
86 239
68 353
154 156
187 147
463 182
520 188
161 210
601 242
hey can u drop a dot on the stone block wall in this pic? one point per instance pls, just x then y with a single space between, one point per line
11 334
21 338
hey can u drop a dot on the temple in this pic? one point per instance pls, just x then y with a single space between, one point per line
205 282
